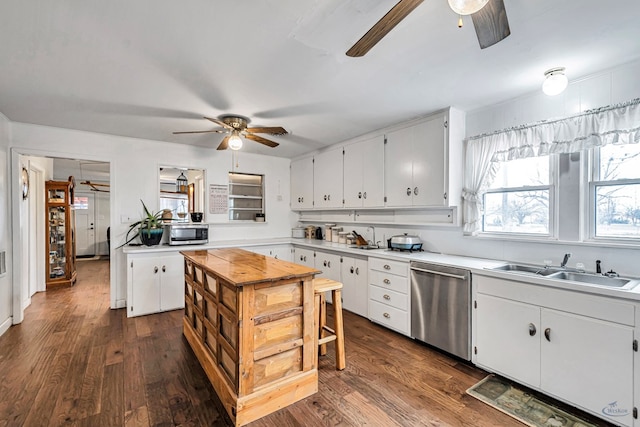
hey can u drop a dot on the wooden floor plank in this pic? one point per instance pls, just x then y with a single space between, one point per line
74 361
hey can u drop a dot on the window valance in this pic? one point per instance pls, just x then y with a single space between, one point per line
616 124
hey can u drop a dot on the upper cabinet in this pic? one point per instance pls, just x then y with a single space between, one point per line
327 179
302 183
423 162
364 173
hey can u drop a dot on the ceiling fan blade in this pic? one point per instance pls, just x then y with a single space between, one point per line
219 122
382 27
261 140
224 144
491 23
276 130
201 131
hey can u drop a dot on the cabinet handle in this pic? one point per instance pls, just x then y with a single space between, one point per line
351 270
387 315
387 297
415 191
547 334
302 199
329 197
357 270
301 258
329 264
155 269
532 329
364 195
325 263
387 267
164 269
359 194
408 191
325 197
305 258
387 281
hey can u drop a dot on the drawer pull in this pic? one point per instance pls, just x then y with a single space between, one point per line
387 315
387 281
387 297
387 267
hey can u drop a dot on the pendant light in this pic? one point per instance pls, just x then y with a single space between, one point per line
182 183
467 7
235 142
555 81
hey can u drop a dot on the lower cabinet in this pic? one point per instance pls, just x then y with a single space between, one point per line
355 292
304 256
573 346
282 252
154 283
389 294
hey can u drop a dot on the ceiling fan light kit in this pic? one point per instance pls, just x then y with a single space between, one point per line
555 81
467 7
235 142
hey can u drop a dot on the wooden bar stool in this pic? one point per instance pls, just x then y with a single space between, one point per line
325 333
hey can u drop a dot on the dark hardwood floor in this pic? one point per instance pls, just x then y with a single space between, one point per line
73 361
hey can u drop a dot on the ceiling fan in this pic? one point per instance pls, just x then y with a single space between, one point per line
490 22
235 127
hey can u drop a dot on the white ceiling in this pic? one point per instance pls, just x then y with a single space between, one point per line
146 68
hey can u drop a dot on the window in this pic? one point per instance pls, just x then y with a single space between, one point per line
519 200
615 192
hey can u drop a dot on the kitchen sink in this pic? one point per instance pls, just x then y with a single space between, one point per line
526 269
595 279
364 247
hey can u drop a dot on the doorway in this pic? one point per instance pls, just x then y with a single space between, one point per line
84 204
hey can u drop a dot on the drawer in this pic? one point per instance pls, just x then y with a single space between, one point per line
394 267
389 297
388 316
389 281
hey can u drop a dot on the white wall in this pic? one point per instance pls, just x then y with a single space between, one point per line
134 176
6 292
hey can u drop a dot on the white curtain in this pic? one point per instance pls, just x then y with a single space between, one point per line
618 124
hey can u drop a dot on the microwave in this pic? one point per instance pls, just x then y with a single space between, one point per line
186 234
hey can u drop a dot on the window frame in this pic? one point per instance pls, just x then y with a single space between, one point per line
552 187
593 182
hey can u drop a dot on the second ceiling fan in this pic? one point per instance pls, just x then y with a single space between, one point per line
490 22
235 127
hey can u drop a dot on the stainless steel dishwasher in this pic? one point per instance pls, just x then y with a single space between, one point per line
440 307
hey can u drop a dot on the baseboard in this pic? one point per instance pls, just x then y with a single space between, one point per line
4 326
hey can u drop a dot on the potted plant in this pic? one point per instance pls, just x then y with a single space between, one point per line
149 228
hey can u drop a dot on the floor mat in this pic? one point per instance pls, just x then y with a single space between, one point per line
519 404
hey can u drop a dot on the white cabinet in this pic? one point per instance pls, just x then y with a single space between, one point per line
327 179
573 346
329 264
304 256
282 252
154 283
302 183
364 173
355 292
389 294
423 162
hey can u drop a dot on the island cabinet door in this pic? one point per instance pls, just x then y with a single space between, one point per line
278 334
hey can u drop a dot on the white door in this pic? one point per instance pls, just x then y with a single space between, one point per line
145 285
328 179
171 282
398 169
302 183
429 163
85 224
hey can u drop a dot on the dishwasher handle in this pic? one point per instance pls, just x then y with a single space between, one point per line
440 273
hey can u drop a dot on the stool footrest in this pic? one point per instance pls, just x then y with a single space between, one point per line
326 339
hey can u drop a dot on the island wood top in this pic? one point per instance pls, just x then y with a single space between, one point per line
241 267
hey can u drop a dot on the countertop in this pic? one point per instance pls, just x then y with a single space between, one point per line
479 266
240 267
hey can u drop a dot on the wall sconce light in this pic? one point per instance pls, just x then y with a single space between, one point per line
235 142
555 81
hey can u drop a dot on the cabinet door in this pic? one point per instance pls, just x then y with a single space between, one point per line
302 183
329 265
504 340
398 167
429 163
354 165
373 172
145 286
328 179
282 252
304 256
588 362
171 282
355 293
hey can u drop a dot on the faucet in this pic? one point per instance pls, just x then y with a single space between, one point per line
373 235
563 264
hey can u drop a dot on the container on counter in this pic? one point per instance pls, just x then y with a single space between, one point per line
310 232
342 237
334 234
327 232
297 233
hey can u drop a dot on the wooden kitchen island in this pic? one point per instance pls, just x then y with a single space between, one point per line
250 321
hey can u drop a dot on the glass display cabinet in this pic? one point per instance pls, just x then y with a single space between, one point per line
60 233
